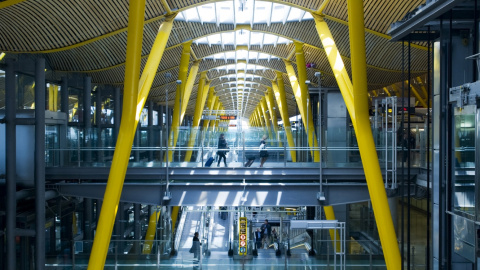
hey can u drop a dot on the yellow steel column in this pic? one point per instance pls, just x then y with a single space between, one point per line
192 75
202 93
417 95
153 61
50 97
55 98
302 77
386 91
283 108
297 92
217 108
182 76
365 141
263 108
125 137
210 105
273 114
336 62
260 118
151 230
330 215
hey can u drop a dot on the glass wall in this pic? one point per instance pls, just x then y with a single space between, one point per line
464 157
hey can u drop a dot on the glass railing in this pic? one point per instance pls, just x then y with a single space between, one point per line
95 148
128 254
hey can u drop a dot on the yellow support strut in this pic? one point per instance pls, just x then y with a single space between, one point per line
273 114
202 93
182 76
150 234
192 75
125 138
365 141
281 102
263 106
306 103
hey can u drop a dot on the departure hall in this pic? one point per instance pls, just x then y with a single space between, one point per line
239 134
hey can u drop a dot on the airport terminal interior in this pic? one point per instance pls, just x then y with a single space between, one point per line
239 134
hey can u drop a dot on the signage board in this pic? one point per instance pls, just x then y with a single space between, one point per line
242 237
228 117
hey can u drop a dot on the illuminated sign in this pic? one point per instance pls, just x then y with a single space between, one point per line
242 242
228 117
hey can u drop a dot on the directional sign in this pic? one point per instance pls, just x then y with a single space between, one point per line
242 247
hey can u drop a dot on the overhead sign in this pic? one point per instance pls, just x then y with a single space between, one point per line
228 117
209 117
242 237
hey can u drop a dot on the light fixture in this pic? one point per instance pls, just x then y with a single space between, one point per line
2 55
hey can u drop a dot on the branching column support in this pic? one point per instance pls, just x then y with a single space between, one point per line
306 102
210 105
150 234
357 105
135 95
273 114
263 107
202 93
192 75
217 107
260 118
279 91
297 91
177 107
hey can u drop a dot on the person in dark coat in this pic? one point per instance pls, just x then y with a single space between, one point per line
258 238
266 230
222 150
196 246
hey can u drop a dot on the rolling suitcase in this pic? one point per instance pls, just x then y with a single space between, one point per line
250 161
209 162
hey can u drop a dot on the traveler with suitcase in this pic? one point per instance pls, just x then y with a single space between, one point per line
222 150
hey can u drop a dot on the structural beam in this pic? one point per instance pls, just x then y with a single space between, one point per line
10 163
133 102
202 94
192 75
150 234
40 163
176 117
306 103
366 144
279 91
273 115
263 108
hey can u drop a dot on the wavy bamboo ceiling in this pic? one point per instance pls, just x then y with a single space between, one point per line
89 36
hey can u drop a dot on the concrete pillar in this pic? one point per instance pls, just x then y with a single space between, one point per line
39 160
88 219
10 163
87 121
150 130
98 121
137 229
63 128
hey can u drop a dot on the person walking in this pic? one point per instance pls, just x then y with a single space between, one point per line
263 150
195 247
222 150
266 230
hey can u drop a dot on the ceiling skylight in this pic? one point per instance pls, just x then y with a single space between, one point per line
243 12
242 37
241 66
